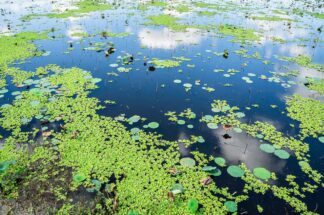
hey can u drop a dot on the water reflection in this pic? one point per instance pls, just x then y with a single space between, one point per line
167 39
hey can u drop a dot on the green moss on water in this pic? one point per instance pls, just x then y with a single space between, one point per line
315 84
112 34
19 46
168 21
165 63
145 6
309 112
182 8
240 34
305 61
271 18
84 7
207 13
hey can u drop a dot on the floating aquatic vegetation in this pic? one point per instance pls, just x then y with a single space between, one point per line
282 154
271 18
315 84
165 63
19 46
188 162
239 34
267 148
261 173
305 61
309 112
220 161
231 206
235 171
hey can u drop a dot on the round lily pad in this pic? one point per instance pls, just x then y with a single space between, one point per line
153 125
237 130
181 122
282 154
215 172
262 173
188 162
208 117
190 126
267 148
235 171
79 177
200 139
193 205
177 188
260 136
177 81
220 161
321 139
187 85
212 125
231 206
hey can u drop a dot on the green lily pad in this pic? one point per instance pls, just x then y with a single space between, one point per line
262 173
134 119
190 126
200 139
153 125
132 212
177 188
212 125
215 172
267 148
220 161
79 177
188 162
235 171
282 154
181 122
193 205
321 139
177 81
237 130
231 206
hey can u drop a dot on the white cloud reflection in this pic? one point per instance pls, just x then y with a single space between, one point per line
166 39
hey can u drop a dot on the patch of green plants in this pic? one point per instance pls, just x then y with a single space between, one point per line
309 112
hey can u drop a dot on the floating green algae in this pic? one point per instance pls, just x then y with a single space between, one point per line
305 61
168 21
309 112
84 7
240 34
271 18
19 46
315 84
165 63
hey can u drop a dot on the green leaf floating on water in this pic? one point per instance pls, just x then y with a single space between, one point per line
79 177
177 188
267 148
220 161
212 125
235 171
132 212
262 173
282 154
5 165
181 122
153 125
231 206
193 205
321 139
208 168
188 162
